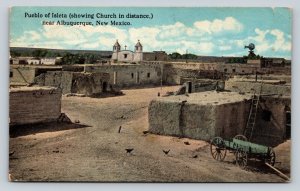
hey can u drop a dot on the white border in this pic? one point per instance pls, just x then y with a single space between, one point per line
4 39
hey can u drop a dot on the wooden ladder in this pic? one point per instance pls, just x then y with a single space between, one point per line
248 132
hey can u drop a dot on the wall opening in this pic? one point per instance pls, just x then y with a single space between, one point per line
233 70
225 70
266 115
148 75
132 75
189 87
104 87
125 55
11 74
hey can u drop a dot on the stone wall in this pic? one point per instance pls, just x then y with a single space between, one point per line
29 105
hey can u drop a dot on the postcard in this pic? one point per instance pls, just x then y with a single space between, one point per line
150 94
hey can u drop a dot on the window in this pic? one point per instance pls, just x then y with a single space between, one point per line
125 55
148 75
11 74
233 70
225 70
132 75
266 115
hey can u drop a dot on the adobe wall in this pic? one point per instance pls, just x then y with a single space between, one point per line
267 77
53 78
128 75
202 85
203 115
22 75
154 56
74 82
173 75
249 86
89 83
271 120
29 105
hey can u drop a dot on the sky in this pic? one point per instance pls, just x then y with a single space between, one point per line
198 30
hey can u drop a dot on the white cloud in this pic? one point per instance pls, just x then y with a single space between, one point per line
281 42
217 25
146 34
223 48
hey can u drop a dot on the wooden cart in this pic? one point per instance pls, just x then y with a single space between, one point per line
243 150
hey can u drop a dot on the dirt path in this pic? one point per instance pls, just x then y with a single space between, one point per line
94 150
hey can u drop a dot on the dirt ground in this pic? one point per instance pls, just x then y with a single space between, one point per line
92 149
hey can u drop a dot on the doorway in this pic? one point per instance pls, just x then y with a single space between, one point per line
104 87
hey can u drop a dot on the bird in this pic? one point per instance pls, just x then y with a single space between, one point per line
129 150
119 131
11 153
186 142
166 151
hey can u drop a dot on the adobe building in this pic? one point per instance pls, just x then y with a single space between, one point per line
137 55
200 115
129 75
225 113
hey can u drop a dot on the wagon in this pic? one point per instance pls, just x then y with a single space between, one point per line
243 150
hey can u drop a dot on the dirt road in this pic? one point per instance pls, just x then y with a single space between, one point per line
93 150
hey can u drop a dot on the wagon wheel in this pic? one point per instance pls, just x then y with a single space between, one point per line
241 137
271 157
218 148
241 158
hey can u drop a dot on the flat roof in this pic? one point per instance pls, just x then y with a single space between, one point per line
32 88
207 97
35 66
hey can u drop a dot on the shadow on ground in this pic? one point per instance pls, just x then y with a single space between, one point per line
22 130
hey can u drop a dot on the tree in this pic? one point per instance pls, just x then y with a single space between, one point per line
39 53
175 55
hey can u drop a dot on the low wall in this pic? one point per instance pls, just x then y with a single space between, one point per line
29 105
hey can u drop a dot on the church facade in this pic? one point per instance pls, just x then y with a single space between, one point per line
137 55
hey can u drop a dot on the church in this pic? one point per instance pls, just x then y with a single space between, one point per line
137 55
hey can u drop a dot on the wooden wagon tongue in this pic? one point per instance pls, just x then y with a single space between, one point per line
278 171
